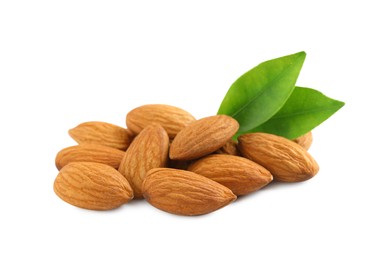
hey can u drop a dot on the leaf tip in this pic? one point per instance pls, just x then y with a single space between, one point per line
302 55
341 104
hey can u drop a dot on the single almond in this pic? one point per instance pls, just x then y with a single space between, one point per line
304 141
286 160
184 193
240 175
172 119
89 153
92 186
203 137
229 148
103 134
148 150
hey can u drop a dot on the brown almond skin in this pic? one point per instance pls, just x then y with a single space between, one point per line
203 137
89 153
92 186
286 160
103 134
304 141
172 119
229 148
240 175
148 150
184 193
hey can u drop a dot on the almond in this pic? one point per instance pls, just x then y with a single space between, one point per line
103 134
184 193
304 141
240 175
89 153
229 148
92 186
203 137
286 160
172 119
148 150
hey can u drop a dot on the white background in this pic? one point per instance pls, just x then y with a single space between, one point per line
66 62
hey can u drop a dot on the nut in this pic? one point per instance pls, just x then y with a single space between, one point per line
92 186
286 160
240 175
229 148
172 119
89 153
184 193
304 141
103 134
203 137
148 150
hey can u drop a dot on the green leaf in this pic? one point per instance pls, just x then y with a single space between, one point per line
304 110
262 91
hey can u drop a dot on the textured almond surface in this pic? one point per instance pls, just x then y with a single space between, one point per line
203 137
286 160
89 153
304 141
229 148
184 193
172 119
240 175
92 186
148 150
101 133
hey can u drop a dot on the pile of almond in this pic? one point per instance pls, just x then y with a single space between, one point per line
177 163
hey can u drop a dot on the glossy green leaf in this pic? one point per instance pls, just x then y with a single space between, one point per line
259 94
304 110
